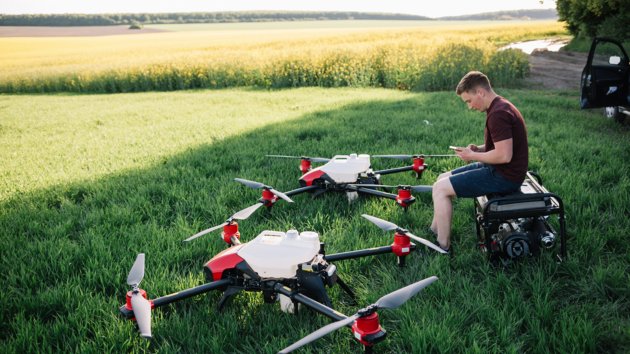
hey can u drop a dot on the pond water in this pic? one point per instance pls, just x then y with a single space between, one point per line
552 45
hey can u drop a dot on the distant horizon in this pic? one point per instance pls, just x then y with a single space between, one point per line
443 8
272 11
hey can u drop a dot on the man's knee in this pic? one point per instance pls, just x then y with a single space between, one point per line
444 175
444 188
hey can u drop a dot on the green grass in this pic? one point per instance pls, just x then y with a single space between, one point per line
582 44
90 181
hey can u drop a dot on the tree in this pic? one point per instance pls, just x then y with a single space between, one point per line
590 18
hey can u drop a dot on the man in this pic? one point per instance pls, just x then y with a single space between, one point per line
502 159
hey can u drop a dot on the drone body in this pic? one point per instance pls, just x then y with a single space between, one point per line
287 267
341 169
271 254
351 174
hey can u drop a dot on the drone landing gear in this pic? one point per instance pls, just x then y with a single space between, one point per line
318 192
347 289
227 295
313 287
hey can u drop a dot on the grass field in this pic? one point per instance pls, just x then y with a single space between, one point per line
89 181
414 55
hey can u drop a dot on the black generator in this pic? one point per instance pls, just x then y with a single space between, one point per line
516 226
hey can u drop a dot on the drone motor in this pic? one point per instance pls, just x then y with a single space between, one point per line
368 331
419 166
268 198
305 165
404 197
230 233
401 247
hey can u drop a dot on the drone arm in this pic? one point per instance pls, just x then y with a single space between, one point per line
394 170
376 193
357 254
301 190
310 303
180 295
184 294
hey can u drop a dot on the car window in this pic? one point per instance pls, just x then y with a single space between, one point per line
609 54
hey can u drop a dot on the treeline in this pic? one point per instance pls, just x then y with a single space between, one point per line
193 17
546 14
604 18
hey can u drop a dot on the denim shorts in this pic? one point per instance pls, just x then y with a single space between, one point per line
477 179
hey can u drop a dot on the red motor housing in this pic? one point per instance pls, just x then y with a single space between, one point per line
404 198
229 230
268 198
130 293
368 330
305 165
419 165
401 245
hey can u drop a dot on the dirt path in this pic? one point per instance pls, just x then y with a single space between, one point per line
555 70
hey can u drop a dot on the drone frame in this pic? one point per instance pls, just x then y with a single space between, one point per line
367 183
297 289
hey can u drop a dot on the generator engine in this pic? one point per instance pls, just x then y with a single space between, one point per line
520 238
516 226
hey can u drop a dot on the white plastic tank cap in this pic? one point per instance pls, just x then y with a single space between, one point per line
292 234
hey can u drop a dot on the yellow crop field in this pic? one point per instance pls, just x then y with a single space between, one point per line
412 55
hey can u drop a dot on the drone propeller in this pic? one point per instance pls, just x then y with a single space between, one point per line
388 226
405 157
419 188
389 301
312 159
239 215
258 185
141 306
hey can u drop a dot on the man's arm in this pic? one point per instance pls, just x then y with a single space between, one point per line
477 148
501 154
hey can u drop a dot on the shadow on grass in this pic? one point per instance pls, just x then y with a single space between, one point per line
67 250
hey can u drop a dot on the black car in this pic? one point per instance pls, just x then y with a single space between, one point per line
605 79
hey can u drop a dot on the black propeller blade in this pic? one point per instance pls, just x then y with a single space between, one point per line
388 226
258 185
389 301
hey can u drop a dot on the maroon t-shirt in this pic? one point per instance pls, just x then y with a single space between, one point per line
504 121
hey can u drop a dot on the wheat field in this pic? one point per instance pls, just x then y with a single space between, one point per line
421 55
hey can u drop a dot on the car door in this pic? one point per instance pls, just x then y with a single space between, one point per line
605 77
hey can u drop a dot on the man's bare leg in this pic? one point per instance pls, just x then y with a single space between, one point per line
443 194
434 224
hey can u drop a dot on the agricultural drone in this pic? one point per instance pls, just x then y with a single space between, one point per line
347 173
289 267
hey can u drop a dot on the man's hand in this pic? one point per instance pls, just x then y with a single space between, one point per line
466 154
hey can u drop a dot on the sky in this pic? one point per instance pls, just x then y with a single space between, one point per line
429 8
